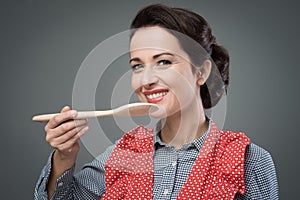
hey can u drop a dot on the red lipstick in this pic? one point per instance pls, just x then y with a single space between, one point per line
155 96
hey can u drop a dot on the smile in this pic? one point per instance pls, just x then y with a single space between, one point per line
155 96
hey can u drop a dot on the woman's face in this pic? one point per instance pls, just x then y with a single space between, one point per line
161 71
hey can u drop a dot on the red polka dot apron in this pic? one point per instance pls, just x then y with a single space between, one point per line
218 172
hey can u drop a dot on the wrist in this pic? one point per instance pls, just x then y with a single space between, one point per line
64 162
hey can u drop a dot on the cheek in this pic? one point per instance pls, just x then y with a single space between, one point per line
183 86
135 86
178 81
134 82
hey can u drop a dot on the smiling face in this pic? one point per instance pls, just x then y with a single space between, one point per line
162 73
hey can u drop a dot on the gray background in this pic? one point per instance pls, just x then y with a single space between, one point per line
43 43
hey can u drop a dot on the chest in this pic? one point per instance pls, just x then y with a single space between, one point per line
171 171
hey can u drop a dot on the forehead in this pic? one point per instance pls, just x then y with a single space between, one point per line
156 39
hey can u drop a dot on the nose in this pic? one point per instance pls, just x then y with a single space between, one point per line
149 78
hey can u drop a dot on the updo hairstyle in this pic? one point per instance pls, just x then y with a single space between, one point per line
196 27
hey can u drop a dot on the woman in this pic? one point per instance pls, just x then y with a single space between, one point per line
187 157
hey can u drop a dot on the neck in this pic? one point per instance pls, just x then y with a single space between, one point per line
184 126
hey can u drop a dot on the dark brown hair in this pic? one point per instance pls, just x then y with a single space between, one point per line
197 28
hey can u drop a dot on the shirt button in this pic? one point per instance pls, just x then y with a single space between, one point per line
174 163
166 191
60 184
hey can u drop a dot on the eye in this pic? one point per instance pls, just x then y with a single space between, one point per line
164 62
137 67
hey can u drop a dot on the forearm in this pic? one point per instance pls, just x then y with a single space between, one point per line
70 186
88 183
59 166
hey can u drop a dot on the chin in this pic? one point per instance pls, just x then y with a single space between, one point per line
163 112
160 113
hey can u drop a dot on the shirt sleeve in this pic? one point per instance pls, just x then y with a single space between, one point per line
260 175
88 183
40 188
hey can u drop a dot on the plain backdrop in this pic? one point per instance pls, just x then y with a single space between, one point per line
44 42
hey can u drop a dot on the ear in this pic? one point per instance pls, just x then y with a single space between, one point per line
204 72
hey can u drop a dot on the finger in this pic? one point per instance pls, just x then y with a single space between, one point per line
60 118
83 131
68 126
64 109
57 132
70 143
67 136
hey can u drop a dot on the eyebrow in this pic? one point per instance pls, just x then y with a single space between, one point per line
154 57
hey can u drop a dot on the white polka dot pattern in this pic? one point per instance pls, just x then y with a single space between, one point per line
129 171
218 173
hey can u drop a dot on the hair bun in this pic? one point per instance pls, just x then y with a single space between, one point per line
213 90
221 58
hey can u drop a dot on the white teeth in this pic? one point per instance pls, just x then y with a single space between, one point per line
156 95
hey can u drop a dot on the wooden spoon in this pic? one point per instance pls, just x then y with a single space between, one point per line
133 109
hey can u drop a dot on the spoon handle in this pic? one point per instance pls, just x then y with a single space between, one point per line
80 115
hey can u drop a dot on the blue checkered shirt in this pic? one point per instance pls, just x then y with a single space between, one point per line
171 170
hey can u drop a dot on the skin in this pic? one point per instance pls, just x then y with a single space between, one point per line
158 63
63 134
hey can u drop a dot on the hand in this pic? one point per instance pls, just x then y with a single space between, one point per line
63 133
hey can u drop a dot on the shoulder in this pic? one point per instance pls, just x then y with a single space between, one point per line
260 174
256 156
255 152
258 163
259 169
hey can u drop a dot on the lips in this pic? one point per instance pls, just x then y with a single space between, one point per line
155 96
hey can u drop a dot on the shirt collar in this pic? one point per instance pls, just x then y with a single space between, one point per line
195 143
